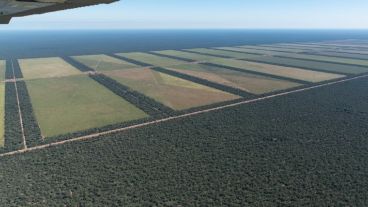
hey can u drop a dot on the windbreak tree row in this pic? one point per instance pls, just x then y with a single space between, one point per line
205 82
32 131
13 131
146 104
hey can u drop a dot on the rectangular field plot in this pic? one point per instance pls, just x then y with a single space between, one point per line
289 62
223 53
289 72
2 113
151 59
251 83
322 58
2 70
75 103
171 91
104 62
262 47
188 55
46 68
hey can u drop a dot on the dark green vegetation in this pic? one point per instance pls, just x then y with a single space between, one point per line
77 64
32 131
305 153
8 70
12 131
146 104
201 81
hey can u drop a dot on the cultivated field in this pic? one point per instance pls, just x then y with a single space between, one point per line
255 84
294 73
46 68
70 104
151 59
2 110
303 56
2 70
176 93
304 64
104 62
264 47
188 55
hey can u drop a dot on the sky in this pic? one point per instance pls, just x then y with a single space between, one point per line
206 14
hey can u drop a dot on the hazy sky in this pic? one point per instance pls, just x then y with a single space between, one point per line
141 14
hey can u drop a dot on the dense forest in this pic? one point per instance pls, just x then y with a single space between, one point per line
304 149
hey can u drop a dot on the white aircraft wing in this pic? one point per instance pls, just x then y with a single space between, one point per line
19 8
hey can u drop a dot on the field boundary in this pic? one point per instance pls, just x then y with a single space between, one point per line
19 110
98 135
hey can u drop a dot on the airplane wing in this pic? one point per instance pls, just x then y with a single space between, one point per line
19 8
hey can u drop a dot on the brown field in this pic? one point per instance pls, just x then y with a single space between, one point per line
104 62
46 68
289 72
174 92
251 83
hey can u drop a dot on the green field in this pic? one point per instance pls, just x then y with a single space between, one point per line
2 110
338 60
104 62
2 70
289 72
313 65
188 55
46 68
151 59
171 91
251 83
76 103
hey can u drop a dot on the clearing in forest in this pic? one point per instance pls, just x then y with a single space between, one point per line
171 91
2 113
188 55
75 103
46 68
150 59
338 60
255 84
288 62
104 62
288 72
2 70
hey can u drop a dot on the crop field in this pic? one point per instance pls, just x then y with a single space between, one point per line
104 62
70 104
222 53
289 62
304 56
255 84
46 68
2 114
183 54
294 73
2 70
151 59
265 47
176 93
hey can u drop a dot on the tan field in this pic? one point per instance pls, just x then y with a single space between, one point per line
289 72
2 70
174 92
46 68
251 83
103 62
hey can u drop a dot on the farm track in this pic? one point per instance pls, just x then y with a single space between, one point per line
19 110
98 135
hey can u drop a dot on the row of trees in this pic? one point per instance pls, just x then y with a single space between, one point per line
205 82
146 104
77 64
32 131
13 132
